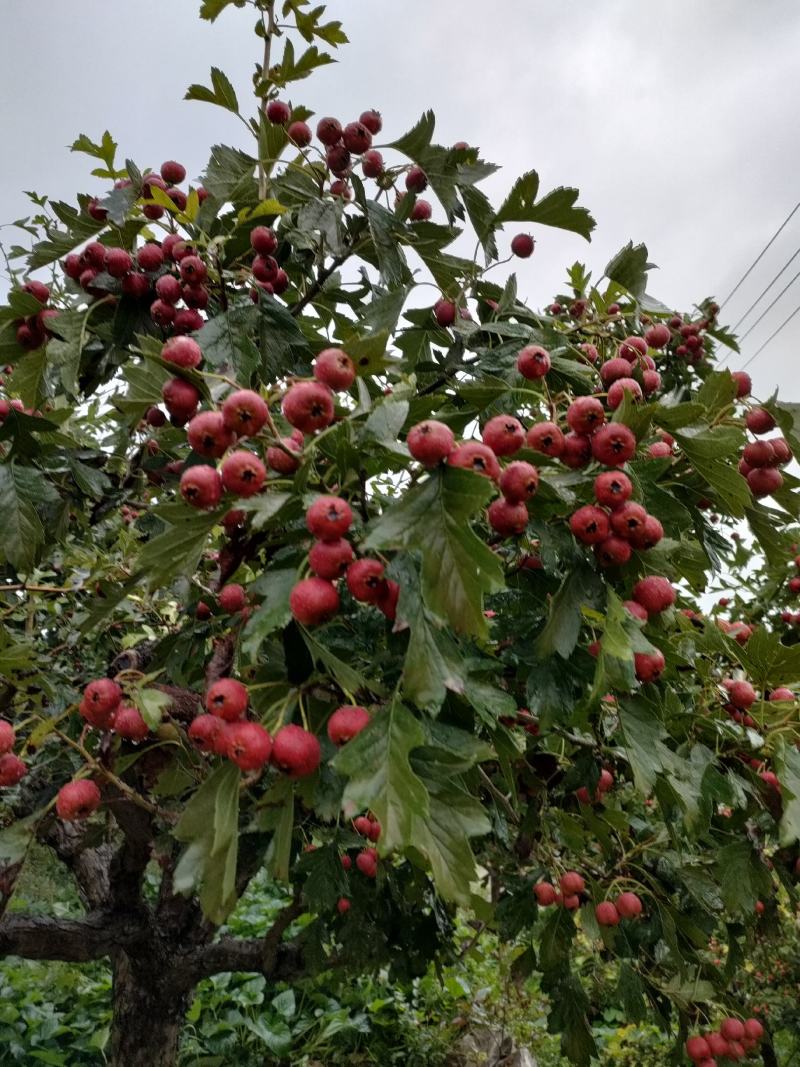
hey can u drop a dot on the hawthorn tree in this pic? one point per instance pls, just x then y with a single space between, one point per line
323 552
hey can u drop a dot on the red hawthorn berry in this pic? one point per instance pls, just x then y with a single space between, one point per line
571 883
590 351
72 266
357 137
338 160
201 486
507 519
783 454
697 1048
263 240
183 352
128 723
764 481
330 559
651 381
313 600
187 320
649 665
741 694
577 449
759 420
334 368
208 435
430 442
202 611
7 737
372 120
648 534
629 905
421 211
180 398
744 384
571 903
232 598
612 488
195 296
613 444
162 314
193 270
346 722
365 580
589 524
96 211
367 862
585 414
614 369
533 362
616 393
173 173
227 699
243 473
296 751
248 745
150 257
39 290
343 904
94 255
606 914
278 112
519 482
475 456
177 196
759 454
285 460
329 131
416 180
118 262
329 518
299 133
654 593
606 780
545 894
628 519
636 610
522 245
547 438
631 348
753 1029
388 600
504 435
12 770
444 311
265 269
361 825
168 289
372 163
77 800
308 406
659 450
732 1029
244 413
203 732
613 552
658 336
781 693
102 696
717 1044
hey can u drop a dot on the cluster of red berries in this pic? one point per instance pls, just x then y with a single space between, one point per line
367 859
650 596
761 459
615 525
316 599
733 1041
102 707
268 275
171 175
12 768
605 784
224 731
568 895
32 332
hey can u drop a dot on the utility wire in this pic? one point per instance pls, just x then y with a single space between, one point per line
760 255
772 336
764 291
770 306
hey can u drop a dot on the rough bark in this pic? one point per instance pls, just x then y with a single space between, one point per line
149 1010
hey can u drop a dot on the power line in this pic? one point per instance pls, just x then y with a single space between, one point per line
766 311
764 291
772 336
760 255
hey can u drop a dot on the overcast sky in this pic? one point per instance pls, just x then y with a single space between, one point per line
676 120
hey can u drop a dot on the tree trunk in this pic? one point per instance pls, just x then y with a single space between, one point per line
150 1005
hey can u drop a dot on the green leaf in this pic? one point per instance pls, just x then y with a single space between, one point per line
21 533
788 769
385 228
230 176
432 664
458 569
106 150
418 138
380 778
560 634
347 677
210 9
28 379
284 347
152 703
742 877
644 735
177 551
221 93
274 612
717 392
706 448
209 826
556 208
629 268
323 217
292 70
227 342
90 480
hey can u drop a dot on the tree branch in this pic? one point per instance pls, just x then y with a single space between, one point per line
131 858
315 288
38 937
